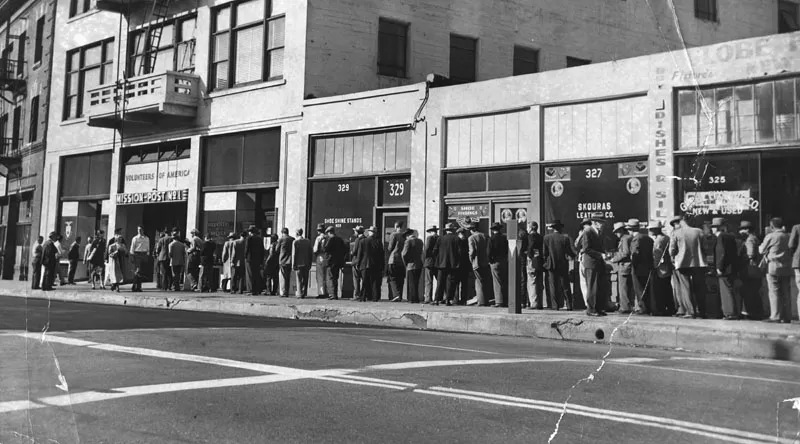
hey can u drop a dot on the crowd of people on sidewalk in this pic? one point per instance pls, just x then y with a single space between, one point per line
656 274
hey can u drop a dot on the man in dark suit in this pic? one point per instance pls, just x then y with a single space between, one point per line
49 261
73 256
334 251
688 255
447 263
285 262
254 255
794 249
369 260
498 263
429 262
622 262
396 271
593 263
238 264
557 251
534 267
162 257
358 279
642 268
726 261
465 267
302 259
479 259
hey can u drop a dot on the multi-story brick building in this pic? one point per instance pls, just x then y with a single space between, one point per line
26 44
209 132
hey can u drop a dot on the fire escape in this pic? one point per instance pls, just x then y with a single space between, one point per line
144 98
12 83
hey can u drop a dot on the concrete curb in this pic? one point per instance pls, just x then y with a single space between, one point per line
749 340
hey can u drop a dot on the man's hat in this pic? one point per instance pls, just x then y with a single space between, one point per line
373 229
432 229
251 228
359 229
586 221
556 223
408 232
330 229
320 228
597 217
534 224
655 225
746 225
497 226
675 219
450 227
633 224
462 230
619 226
231 235
472 226
194 231
718 222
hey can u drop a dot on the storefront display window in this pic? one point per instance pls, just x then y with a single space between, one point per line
242 159
236 211
764 112
362 153
618 191
86 175
343 204
507 179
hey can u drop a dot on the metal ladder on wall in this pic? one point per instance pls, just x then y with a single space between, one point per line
158 13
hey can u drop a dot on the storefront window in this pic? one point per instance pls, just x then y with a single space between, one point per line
719 186
236 211
80 219
86 175
362 153
765 112
618 191
244 158
508 179
343 204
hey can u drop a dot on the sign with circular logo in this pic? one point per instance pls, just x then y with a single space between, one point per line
522 215
634 185
557 189
506 215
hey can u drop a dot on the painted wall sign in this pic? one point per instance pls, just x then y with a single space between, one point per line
662 172
718 202
344 204
152 197
158 176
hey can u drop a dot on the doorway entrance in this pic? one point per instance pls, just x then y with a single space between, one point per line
518 211
387 226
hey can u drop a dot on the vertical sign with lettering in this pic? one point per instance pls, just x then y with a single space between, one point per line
662 198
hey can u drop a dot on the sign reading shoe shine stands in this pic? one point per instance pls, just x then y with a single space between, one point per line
156 182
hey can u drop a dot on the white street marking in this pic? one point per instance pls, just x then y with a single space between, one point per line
633 360
728 435
436 346
392 386
738 360
721 375
14 406
428 364
363 378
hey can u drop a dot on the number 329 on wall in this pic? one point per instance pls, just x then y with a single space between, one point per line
343 187
396 189
594 173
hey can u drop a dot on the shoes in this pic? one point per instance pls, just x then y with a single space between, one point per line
473 301
771 321
593 314
322 296
397 299
333 298
500 305
624 312
731 318
687 316
426 302
449 303
435 303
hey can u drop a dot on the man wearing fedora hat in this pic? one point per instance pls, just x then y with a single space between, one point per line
779 271
726 261
592 264
749 272
534 266
335 253
622 262
688 255
642 268
358 279
369 260
254 257
193 266
663 300
284 247
447 264
498 262
322 287
429 262
396 271
227 261
557 250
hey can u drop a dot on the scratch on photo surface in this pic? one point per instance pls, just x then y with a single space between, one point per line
795 406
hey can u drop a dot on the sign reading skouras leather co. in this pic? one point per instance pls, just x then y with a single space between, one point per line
170 175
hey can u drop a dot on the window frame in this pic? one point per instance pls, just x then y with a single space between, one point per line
711 14
38 51
386 68
455 38
791 8
106 62
232 30
78 7
519 53
33 125
176 43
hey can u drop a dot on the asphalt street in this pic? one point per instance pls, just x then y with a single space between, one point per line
107 374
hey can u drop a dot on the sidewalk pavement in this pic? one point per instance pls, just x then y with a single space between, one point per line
750 339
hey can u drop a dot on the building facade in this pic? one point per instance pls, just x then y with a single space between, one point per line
219 115
26 50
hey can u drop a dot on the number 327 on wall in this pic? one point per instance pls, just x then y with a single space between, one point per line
594 173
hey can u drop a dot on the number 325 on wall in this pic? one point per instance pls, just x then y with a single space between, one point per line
594 173
343 187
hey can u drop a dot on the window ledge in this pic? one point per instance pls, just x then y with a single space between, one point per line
83 15
73 121
248 88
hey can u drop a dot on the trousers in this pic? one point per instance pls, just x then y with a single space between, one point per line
372 284
396 278
559 291
412 280
302 281
73 266
500 280
535 287
332 280
625 289
358 291
780 292
483 286
641 290
730 298
692 290
590 295
166 275
36 274
285 280
177 277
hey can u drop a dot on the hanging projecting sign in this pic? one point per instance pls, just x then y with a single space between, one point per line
169 175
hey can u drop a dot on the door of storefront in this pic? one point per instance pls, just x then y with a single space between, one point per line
518 211
388 219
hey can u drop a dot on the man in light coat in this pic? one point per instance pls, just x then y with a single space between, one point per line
302 259
688 255
779 272
227 261
622 262
479 258
177 260
593 265
642 268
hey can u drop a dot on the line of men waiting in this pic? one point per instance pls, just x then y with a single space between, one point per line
663 275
